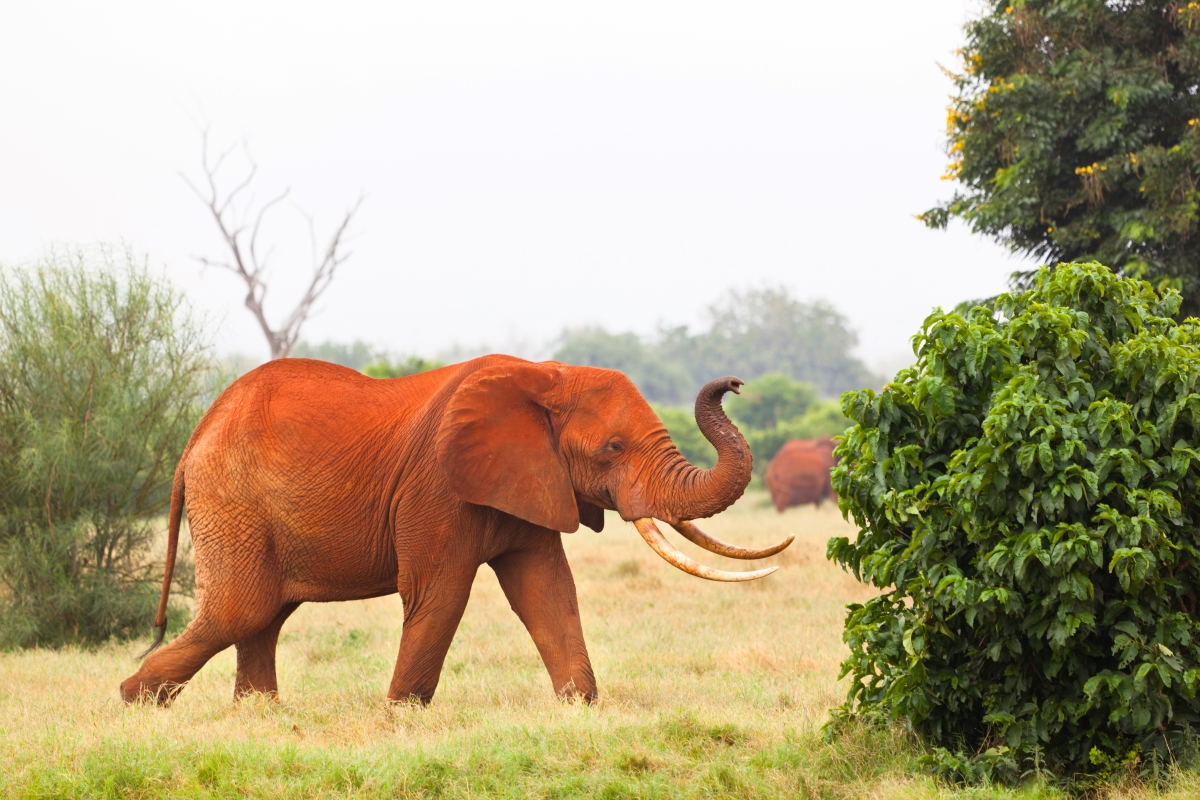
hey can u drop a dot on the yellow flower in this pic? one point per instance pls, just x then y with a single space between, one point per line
954 119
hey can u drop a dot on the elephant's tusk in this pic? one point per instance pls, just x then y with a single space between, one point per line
659 544
712 544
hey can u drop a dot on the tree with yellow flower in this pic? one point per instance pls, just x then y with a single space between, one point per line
1075 136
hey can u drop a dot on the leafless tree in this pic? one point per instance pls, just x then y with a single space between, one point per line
241 237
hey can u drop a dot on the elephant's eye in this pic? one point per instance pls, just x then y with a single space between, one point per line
614 446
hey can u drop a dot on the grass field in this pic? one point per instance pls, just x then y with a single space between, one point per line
707 690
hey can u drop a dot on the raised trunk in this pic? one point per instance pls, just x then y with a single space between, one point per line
690 493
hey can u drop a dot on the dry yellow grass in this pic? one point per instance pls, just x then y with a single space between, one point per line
706 690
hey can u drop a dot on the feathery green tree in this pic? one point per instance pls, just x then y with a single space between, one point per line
1075 135
103 376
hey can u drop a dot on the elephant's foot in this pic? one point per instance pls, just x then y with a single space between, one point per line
241 691
136 690
413 687
574 694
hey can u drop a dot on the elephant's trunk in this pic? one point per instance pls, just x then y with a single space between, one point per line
689 493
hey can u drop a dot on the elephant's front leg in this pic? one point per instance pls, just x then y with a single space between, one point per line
538 584
433 607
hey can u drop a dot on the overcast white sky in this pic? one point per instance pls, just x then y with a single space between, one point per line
527 166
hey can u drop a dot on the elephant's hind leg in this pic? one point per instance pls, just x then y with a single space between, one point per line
232 609
165 671
256 658
538 584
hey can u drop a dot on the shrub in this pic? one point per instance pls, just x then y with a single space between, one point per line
102 379
823 418
657 375
1027 502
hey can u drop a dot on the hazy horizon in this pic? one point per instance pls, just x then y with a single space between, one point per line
526 168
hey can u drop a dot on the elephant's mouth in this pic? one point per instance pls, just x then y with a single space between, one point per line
659 544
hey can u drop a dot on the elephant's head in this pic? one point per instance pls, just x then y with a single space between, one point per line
554 444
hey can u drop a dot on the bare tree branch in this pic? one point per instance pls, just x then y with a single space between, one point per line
246 263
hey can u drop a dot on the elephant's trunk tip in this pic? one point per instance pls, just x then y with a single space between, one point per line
729 384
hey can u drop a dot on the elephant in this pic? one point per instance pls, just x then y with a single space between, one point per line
799 473
309 482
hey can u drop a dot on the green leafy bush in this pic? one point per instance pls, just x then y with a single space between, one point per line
1027 502
102 379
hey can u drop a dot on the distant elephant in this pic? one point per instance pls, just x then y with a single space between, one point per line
799 473
308 482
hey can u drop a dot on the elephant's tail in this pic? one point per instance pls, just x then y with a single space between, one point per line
160 621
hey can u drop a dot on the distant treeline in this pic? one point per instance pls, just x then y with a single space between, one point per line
749 334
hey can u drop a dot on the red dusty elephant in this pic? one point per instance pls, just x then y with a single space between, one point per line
799 473
308 482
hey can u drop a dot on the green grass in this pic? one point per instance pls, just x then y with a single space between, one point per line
707 690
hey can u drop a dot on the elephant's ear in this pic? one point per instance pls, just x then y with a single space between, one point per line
497 445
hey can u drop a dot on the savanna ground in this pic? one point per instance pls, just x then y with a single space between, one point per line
707 690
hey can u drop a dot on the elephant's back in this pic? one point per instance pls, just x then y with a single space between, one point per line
298 408
287 406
